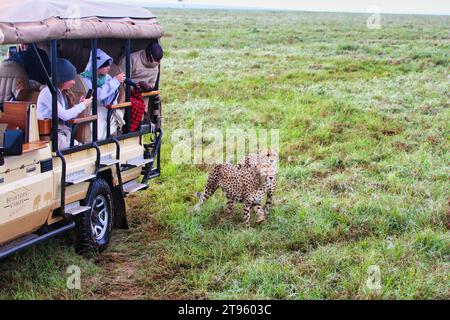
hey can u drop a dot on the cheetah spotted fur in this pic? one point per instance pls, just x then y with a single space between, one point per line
252 160
243 184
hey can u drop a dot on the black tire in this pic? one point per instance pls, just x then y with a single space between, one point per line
94 227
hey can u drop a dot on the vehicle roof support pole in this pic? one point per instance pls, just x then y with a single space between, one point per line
157 79
94 87
128 87
54 56
41 66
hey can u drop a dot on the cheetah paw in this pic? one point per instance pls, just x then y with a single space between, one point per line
261 219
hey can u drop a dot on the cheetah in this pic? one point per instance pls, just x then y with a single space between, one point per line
243 184
252 160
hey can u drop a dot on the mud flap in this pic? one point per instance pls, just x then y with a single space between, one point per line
120 211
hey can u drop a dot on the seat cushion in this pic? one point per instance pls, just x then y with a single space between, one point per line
12 79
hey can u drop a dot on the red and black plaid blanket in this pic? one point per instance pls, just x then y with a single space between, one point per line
137 109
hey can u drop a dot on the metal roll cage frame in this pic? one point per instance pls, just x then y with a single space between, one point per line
51 81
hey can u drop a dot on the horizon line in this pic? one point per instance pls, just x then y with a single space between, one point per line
293 10
183 5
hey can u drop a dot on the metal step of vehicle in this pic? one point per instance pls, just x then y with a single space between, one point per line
31 239
139 161
133 186
78 177
13 244
72 209
154 175
108 161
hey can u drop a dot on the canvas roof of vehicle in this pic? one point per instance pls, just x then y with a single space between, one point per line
30 21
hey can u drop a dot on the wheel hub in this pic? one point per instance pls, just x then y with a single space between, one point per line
99 217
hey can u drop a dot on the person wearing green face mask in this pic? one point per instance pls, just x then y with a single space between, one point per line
107 92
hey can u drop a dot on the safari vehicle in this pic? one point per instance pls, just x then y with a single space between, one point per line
45 191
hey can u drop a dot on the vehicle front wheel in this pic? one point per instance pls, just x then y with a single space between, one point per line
94 227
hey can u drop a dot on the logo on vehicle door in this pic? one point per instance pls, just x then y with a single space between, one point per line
15 200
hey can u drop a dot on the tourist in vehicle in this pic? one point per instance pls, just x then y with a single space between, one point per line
107 93
67 109
145 68
145 63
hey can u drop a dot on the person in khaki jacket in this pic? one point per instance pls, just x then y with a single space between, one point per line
145 63
144 66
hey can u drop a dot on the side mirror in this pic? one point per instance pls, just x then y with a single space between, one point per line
12 144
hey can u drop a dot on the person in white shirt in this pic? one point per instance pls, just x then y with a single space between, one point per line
67 109
107 93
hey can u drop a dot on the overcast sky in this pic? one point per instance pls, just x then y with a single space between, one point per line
384 6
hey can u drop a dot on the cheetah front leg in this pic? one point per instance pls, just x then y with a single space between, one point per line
268 202
270 192
247 209
260 212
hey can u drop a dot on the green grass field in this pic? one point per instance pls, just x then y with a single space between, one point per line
363 117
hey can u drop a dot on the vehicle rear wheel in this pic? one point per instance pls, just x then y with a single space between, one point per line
94 227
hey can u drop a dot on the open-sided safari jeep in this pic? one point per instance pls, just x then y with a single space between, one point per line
45 191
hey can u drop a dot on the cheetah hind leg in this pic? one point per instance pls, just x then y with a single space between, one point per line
230 206
201 199
210 188
203 196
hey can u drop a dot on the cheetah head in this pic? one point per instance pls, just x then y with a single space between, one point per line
271 156
266 173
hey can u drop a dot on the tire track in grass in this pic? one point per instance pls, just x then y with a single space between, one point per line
119 264
135 266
